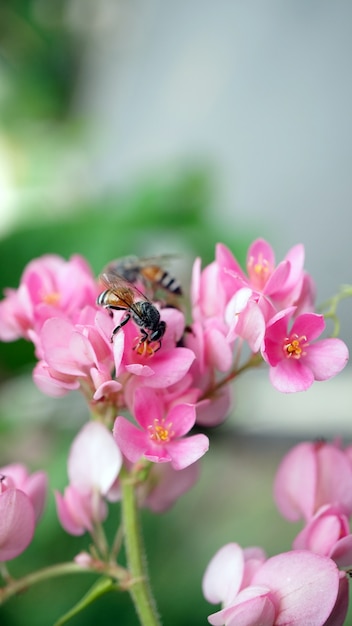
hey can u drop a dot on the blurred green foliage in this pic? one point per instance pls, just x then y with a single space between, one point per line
38 62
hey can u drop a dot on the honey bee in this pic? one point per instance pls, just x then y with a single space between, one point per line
148 271
121 295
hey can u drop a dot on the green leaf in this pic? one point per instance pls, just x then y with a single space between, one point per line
100 588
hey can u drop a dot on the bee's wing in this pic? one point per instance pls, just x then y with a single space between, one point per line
119 266
126 292
132 262
159 260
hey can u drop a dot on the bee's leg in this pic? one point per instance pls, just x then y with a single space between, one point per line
142 345
122 323
144 336
110 308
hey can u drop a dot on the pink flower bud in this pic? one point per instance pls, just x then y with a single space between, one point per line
323 534
34 485
310 476
93 465
17 522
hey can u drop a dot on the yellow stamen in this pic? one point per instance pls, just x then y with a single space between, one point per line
52 298
259 270
294 346
144 348
159 432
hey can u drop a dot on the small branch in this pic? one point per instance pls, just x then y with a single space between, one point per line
254 361
62 569
330 307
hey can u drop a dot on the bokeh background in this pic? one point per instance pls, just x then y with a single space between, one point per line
150 126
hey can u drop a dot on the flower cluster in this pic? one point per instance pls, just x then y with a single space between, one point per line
150 375
307 585
272 309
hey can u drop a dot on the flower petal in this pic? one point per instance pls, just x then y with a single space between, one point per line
95 460
290 376
296 481
223 576
253 606
306 585
147 406
309 324
169 367
182 417
326 358
131 440
17 521
184 452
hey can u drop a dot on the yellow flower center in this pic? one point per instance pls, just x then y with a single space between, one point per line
52 298
144 348
294 346
259 271
160 432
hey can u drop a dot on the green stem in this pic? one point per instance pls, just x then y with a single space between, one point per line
329 308
139 587
117 573
15 586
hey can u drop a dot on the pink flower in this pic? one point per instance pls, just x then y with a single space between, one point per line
251 301
230 570
79 509
327 533
163 368
50 286
306 587
161 436
205 283
17 522
282 284
310 476
213 354
35 485
246 318
22 498
95 460
74 354
295 362
209 328
93 465
207 335
296 588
